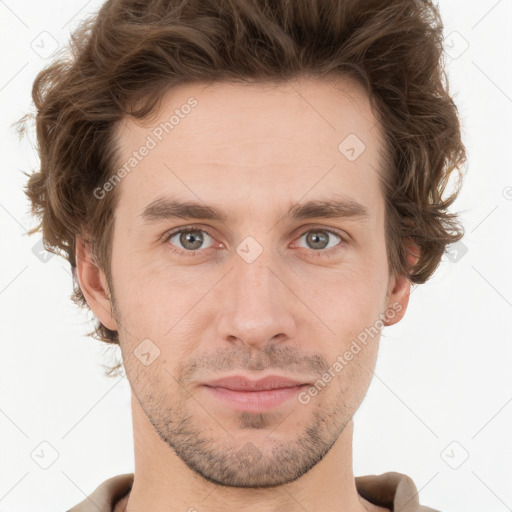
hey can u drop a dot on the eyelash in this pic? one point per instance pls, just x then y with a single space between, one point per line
317 253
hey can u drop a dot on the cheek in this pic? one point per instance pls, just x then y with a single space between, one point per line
348 298
138 295
349 303
163 304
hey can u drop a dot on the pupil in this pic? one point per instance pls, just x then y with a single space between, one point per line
314 238
189 238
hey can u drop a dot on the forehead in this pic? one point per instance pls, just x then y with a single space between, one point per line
277 139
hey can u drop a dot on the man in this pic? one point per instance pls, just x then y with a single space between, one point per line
245 191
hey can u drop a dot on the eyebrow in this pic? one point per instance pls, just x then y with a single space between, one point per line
165 208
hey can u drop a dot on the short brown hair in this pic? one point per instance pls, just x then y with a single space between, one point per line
131 52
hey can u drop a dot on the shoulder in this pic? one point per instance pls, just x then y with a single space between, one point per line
105 495
392 490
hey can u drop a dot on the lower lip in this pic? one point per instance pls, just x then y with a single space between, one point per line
255 401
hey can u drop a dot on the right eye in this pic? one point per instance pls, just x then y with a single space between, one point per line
186 241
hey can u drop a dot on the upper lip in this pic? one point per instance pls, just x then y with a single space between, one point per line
242 383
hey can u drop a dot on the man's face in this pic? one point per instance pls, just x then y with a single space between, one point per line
258 293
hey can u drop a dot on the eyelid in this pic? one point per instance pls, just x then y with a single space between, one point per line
330 252
168 234
342 234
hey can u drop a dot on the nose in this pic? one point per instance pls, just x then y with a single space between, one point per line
257 307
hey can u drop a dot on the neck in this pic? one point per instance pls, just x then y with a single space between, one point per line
163 482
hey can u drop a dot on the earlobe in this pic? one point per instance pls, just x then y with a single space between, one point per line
399 293
93 284
397 301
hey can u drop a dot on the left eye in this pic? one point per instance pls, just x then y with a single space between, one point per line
319 239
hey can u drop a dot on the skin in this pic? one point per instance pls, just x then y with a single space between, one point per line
252 151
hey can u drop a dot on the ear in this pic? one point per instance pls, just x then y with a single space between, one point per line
93 284
399 291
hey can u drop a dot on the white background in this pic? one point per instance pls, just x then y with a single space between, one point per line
443 377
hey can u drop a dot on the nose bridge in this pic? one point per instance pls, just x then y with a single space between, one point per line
255 288
256 305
